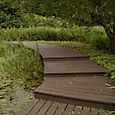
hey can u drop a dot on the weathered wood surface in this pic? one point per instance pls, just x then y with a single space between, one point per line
72 78
80 90
43 107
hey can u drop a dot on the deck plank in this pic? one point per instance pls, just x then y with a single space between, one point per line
85 111
72 66
77 88
69 110
53 108
77 110
77 95
45 108
94 111
27 108
60 109
91 89
37 107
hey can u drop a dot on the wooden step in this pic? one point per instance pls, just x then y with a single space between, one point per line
52 51
76 90
79 57
44 107
76 66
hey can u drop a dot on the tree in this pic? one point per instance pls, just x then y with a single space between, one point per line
8 14
82 12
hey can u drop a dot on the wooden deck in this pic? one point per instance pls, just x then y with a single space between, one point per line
74 66
71 81
80 90
43 107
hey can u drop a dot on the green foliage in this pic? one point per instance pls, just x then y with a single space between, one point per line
21 72
13 15
8 15
19 63
98 39
30 20
85 13
106 60
96 36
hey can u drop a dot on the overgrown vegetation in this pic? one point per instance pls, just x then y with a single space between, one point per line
20 68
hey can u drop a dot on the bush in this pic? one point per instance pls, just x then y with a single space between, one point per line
96 37
99 40
107 61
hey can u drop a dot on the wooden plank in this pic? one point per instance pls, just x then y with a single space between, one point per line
29 107
60 109
94 111
106 99
53 108
79 84
85 111
74 101
77 88
103 112
77 110
69 110
72 66
100 80
45 108
37 107
77 78
53 51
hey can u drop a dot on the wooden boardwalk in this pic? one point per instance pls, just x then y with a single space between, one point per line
73 80
43 107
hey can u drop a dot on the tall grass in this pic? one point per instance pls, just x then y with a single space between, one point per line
20 68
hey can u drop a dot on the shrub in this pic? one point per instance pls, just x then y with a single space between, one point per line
96 37
107 61
99 40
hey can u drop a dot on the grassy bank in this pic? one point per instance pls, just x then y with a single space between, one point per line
20 73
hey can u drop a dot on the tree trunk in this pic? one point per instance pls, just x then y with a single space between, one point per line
112 41
111 36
